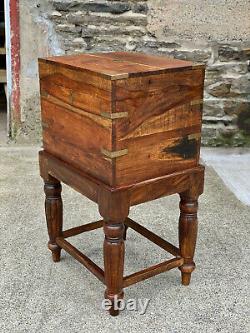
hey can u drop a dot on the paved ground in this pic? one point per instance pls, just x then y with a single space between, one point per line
233 166
39 296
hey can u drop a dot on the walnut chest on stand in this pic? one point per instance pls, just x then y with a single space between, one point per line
122 129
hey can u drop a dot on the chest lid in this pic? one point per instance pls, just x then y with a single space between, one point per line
120 65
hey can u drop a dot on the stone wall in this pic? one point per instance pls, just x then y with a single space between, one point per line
37 39
216 32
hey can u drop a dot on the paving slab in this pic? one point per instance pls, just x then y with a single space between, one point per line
233 167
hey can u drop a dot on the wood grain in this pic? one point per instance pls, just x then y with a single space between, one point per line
152 237
163 111
156 61
122 131
79 256
68 75
114 208
152 271
81 95
69 136
156 155
148 190
77 179
82 228
114 204
54 214
177 182
164 99
117 65
188 225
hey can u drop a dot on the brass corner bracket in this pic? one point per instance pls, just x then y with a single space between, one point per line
114 154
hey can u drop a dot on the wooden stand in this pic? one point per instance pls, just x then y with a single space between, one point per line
114 204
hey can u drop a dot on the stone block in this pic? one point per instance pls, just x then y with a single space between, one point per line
219 69
193 55
112 30
63 5
68 28
229 53
140 7
228 131
213 108
219 89
82 17
100 6
80 43
241 86
108 44
244 120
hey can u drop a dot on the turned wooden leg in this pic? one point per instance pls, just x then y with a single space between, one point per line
54 215
114 209
187 234
113 261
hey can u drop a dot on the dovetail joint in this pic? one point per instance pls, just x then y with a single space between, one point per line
114 154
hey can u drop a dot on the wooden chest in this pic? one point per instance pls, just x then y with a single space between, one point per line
122 117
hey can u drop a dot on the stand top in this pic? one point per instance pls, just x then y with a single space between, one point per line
120 65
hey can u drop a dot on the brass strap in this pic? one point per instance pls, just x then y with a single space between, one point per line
115 115
114 154
197 65
196 102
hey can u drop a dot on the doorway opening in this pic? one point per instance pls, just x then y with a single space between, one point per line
3 78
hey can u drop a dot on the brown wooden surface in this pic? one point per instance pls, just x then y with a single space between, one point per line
69 175
77 139
162 130
188 225
141 192
167 185
122 129
82 228
79 256
89 94
54 214
152 271
114 206
153 61
70 77
126 131
73 128
152 237
117 65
